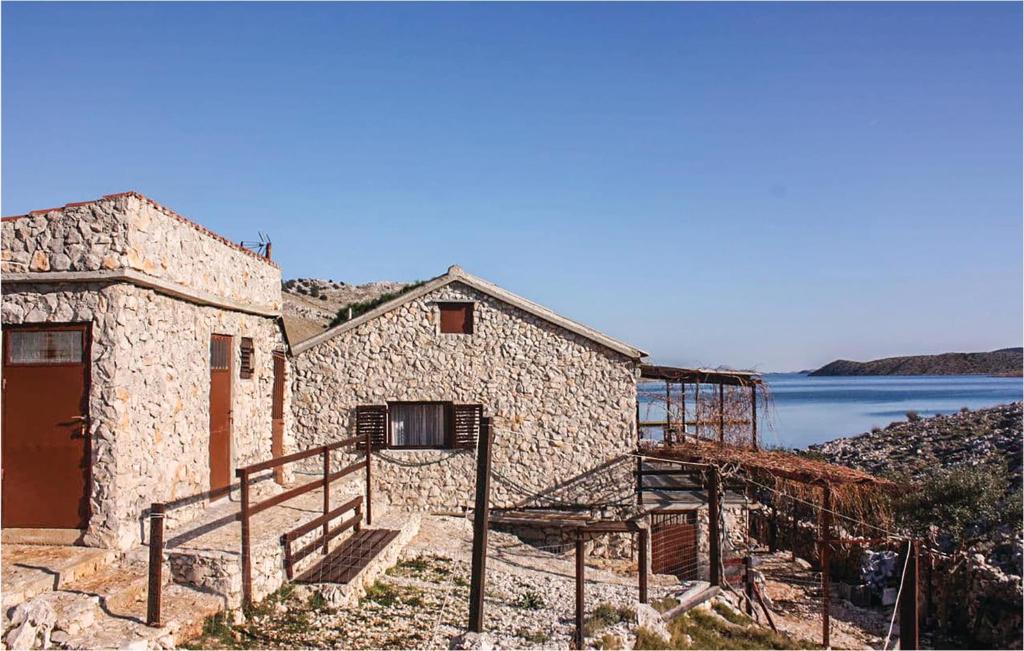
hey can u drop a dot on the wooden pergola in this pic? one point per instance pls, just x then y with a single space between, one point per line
698 377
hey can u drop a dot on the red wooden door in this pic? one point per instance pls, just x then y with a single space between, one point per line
277 415
45 427
220 415
674 544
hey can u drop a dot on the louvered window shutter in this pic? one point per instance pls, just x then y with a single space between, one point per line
466 425
372 420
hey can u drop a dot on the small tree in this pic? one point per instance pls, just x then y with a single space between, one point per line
962 501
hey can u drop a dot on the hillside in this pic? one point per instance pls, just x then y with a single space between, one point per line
1004 362
311 303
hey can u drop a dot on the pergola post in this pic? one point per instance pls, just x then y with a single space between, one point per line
753 415
721 413
668 412
714 514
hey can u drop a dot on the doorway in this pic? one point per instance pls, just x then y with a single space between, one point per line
46 452
220 415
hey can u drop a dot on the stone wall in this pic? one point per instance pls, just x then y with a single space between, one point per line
132 232
149 395
563 407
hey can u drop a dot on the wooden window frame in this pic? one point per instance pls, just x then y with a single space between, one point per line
442 305
246 362
448 425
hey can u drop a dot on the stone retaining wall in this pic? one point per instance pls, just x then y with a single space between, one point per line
563 406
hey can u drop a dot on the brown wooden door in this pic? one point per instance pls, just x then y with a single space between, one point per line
220 415
674 544
46 466
277 415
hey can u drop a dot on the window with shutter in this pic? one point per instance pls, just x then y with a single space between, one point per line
372 421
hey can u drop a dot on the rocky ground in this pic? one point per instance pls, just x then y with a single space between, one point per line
422 602
917 447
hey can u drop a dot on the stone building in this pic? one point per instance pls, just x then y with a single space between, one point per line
561 397
143 360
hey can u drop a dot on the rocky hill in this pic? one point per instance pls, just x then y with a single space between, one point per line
311 303
1005 362
920 446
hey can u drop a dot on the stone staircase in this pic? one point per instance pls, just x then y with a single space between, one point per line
103 605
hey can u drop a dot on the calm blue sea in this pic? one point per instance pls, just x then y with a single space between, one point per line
808 410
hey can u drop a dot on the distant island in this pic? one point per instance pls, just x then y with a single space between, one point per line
1006 362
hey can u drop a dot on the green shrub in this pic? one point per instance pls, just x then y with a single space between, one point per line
961 501
362 307
530 600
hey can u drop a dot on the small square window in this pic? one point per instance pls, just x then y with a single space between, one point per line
456 318
246 358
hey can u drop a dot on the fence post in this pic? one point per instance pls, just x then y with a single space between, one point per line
748 582
644 537
369 494
714 513
156 564
580 569
909 624
481 522
327 493
243 515
825 536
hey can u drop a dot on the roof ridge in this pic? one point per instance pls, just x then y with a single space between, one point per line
162 208
457 274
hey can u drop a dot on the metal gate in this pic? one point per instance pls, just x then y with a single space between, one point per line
674 544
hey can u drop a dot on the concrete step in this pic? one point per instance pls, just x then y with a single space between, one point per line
31 570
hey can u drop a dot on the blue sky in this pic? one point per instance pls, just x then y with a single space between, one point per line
756 185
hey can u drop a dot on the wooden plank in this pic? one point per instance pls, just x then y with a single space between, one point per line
348 560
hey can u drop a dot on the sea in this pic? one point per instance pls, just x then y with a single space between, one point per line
804 410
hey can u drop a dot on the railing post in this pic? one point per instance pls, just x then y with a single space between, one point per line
156 564
644 537
369 494
327 492
580 601
714 513
243 476
481 523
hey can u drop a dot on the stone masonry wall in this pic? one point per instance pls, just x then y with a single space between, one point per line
149 395
129 231
563 407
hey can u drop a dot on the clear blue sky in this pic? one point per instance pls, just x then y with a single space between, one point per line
757 185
